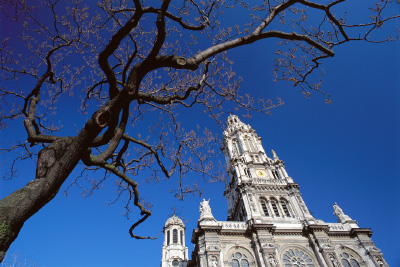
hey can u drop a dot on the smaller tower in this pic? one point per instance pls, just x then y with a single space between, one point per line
174 252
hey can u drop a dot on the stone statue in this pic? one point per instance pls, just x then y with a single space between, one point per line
214 262
205 211
380 261
333 260
338 212
205 207
272 261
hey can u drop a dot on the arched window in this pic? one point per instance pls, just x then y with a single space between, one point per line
168 240
275 208
239 260
354 263
245 263
236 148
345 263
175 236
276 174
249 144
264 207
348 260
296 258
182 237
247 172
285 207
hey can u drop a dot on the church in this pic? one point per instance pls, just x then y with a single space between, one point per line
268 223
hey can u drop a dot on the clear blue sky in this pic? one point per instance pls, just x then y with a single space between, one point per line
346 152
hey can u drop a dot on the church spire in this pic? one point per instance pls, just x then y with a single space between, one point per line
174 251
254 178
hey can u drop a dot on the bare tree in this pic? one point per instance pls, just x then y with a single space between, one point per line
130 62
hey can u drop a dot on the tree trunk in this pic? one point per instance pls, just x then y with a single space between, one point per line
55 163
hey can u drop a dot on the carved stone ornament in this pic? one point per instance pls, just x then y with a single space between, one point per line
374 249
214 261
205 211
215 246
251 198
333 260
272 261
338 212
267 246
379 260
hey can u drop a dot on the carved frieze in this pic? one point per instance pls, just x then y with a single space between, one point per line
267 240
213 246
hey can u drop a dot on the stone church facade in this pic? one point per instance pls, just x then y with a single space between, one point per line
268 223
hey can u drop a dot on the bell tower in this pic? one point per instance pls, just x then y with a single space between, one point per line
174 251
259 187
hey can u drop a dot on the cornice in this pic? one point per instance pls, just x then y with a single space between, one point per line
357 231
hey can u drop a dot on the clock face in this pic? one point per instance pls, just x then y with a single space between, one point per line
261 173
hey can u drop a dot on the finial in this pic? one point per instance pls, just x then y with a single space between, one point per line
274 156
174 209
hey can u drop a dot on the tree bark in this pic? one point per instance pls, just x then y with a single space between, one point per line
55 163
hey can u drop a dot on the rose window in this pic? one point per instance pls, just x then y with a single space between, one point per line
296 258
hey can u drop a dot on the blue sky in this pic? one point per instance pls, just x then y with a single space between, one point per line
345 152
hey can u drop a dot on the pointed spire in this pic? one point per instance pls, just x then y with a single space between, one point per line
274 156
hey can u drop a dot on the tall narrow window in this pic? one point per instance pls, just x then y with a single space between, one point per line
168 240
264 207
235 263
354 263
245 263
275 208
235 148
175 236
348 260
238 260
247 172
276 174
249 144
182 237
285 207
345 263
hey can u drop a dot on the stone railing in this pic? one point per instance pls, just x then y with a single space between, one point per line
232 225
267 181
337 227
